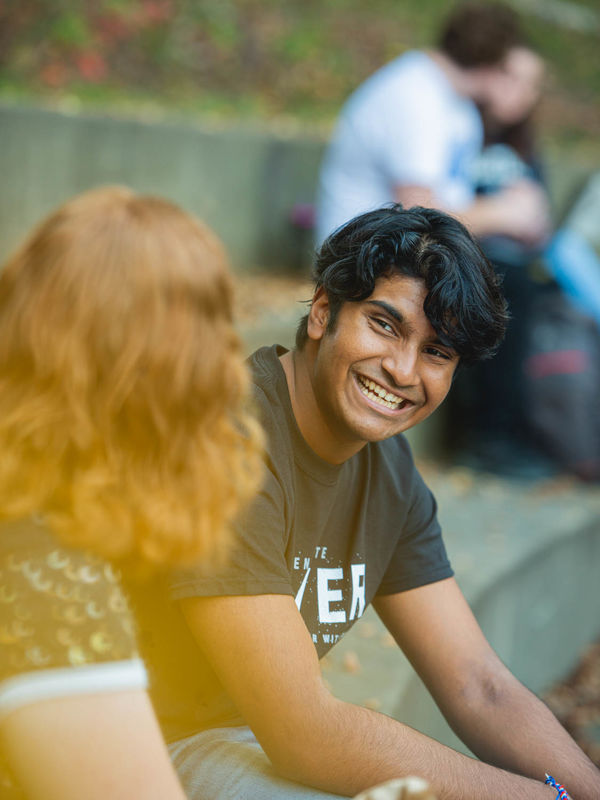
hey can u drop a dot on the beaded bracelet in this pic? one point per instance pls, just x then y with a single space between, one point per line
562 792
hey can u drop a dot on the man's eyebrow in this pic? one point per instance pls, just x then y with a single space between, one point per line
393 312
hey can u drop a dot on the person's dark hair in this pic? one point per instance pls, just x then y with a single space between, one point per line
464 302
480 34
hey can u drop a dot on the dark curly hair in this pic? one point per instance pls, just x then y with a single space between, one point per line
464 302
480 34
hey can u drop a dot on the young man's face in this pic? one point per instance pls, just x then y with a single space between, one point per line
382 369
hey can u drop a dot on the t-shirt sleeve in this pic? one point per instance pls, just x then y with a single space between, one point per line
65 627
420 555
257 563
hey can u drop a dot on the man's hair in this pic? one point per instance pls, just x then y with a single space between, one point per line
123 387
464 303
480 34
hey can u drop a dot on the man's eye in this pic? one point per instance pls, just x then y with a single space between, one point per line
433 351
383 324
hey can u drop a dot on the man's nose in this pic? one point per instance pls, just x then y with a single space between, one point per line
402 365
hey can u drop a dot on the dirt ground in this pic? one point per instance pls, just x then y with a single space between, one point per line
576 703
259 294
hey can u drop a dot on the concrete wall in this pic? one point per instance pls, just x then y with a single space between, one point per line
243 183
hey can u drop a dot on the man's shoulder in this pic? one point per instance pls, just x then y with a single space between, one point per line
272 401
268 380
409 73
263 363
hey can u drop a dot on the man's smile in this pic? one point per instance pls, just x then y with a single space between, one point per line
380 395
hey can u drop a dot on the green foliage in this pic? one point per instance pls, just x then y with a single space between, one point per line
69 30
271 58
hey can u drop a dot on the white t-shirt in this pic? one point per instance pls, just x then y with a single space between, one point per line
406 124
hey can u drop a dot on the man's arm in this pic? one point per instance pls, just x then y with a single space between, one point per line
263 654
519 211
500 720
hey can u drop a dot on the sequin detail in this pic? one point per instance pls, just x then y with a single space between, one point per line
59 607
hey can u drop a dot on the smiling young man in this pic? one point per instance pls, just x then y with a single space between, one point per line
343 520
356 385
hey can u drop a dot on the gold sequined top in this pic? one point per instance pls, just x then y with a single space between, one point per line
63 613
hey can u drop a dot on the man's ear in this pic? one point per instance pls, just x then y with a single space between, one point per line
318 316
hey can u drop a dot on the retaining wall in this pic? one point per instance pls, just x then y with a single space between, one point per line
244 183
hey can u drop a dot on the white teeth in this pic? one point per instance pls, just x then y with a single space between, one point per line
378 393
378 399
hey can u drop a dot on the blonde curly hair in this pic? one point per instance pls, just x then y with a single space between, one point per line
124 414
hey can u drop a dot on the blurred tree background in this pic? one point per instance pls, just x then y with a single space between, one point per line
284 62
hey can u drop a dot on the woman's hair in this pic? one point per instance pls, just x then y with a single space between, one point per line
123 392
464 303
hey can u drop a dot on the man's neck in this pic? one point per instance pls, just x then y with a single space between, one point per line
306 411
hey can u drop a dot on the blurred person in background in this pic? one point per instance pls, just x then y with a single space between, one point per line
124 440
535 411
411 132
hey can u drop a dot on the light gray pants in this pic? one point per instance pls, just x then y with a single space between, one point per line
229 764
